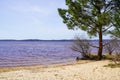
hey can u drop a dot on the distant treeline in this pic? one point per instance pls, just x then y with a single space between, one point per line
46 40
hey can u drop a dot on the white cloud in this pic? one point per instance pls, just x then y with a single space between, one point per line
35 13
31 9
37 19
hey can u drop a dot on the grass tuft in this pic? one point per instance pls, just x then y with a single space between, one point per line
113 65
108 57
95 57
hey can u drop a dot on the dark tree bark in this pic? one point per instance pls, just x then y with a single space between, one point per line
100 44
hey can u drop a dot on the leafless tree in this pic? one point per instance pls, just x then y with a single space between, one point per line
82 46
111 46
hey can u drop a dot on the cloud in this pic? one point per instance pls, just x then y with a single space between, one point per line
31 9
35 13
35 19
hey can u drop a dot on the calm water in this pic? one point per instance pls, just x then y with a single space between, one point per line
23 53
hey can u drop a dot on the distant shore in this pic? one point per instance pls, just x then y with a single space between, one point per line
82 70
47 40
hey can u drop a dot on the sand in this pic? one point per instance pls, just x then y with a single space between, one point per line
86 71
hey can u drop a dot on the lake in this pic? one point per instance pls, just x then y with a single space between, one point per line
24 53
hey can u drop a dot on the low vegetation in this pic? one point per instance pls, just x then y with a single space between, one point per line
117 58
110 46
113 65
83 46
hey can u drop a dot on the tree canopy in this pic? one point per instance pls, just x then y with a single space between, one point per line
116 20
96 17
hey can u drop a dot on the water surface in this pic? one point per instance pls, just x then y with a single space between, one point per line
24 53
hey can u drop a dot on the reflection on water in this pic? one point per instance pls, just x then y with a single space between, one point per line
19 53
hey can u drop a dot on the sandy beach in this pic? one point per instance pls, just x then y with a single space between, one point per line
91 70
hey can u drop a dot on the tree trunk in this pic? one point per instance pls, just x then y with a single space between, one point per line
100 44
110 53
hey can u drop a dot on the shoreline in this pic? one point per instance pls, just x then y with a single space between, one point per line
27 67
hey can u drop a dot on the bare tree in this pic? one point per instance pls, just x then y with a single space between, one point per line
111 46
117 54
82 46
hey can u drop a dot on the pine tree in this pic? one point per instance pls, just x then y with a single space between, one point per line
92 16
116 19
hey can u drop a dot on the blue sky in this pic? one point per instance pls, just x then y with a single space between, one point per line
33 19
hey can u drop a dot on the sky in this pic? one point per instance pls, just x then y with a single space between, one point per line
33 19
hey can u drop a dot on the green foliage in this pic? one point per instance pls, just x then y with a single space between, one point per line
116 19
87 15
116 23
96 17
116 3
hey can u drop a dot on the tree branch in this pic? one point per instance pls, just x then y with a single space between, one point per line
107 28
93 46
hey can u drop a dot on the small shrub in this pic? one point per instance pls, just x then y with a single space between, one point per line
108 57
113 65
117 58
